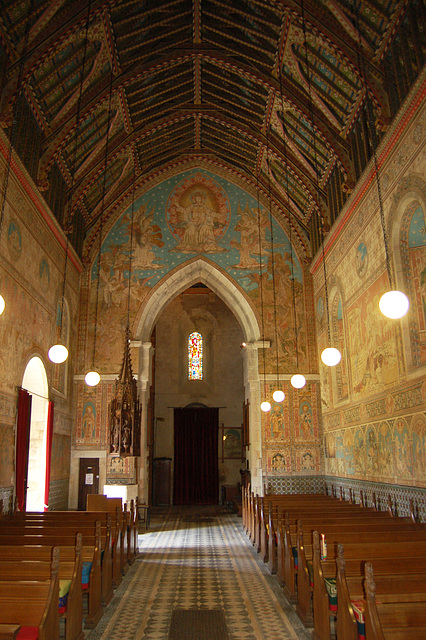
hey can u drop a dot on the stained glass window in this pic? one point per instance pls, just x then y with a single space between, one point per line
195 356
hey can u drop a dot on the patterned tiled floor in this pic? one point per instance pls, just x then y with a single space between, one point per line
198 558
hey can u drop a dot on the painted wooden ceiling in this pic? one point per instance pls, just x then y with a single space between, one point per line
266 90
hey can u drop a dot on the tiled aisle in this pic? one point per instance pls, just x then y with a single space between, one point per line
198 558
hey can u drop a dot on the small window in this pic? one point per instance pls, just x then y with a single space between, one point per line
195 356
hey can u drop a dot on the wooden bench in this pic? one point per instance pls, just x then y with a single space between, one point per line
251 502
273 523
286 536
90 553
396 619
401 594
31 606
310 505
392 557
68 522
128 526
34 563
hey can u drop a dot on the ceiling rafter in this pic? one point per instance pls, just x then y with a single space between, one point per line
191 79
130 76
258 137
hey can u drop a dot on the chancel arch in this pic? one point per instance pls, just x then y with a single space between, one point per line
201 270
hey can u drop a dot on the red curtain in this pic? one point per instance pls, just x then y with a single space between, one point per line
23 422
49 438
196 475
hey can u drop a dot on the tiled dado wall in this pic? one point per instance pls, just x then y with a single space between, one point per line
400 495
295 484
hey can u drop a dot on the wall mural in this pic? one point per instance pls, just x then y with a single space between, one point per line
25 325
7 447
61 456
88 423
413 254
367 399
384 451
60 370
197 213
291 431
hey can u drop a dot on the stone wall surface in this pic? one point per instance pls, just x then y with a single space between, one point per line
32 259
373 403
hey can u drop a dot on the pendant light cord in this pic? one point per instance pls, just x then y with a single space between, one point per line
311 116
73 168
131 250
98 273
293 292
261 285
371 130
272 259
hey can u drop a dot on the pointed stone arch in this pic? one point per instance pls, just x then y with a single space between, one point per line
198 270
202 270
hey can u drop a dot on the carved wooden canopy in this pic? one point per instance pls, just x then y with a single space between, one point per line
125 411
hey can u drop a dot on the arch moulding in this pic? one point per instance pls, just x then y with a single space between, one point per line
198 270
201 270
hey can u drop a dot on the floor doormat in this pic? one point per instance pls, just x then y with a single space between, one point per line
193 624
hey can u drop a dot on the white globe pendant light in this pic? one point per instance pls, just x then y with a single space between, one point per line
265 406
298 381
278 395
92 378
58 353
394 304
331 356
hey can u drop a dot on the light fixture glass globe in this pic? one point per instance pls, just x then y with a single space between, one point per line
298 381
92 378
2 304
394 304
331 356
278 395
58 353
265 406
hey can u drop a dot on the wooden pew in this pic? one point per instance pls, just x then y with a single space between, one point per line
401 595
391 558
287 536
397 618
32 604
382 544
34 563
309 506
69 522
127 525
91 552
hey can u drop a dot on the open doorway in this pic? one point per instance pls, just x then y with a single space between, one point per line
35 381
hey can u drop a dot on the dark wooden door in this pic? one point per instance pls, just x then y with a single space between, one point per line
88 480
196 468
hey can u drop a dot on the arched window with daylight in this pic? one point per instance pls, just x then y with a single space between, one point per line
195 356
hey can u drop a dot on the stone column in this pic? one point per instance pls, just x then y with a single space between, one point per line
146 353
252 392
